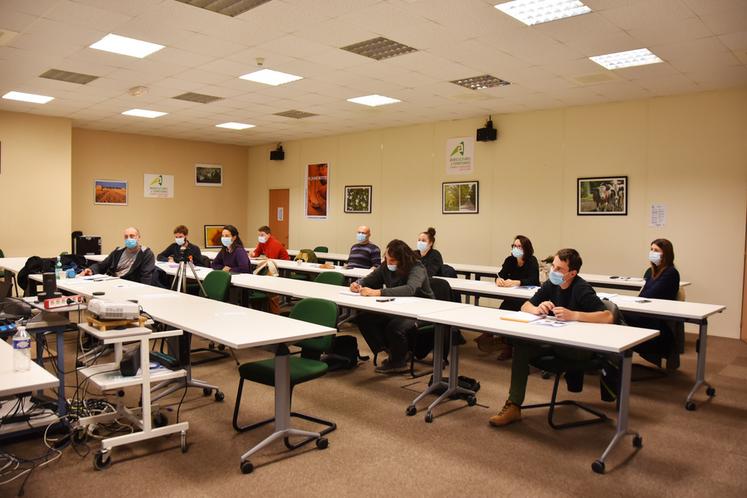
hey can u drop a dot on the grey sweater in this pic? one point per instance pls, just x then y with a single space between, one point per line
393 284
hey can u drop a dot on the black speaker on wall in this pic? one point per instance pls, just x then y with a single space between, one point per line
277 154
487 134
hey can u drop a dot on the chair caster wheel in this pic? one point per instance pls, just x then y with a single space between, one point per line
120 393
184 445
160 420
428 418
546 375
221 347
247 467
219 396
637 441
101 460
471 401
690 406
598 466
206 391
322 443
411 410
711 392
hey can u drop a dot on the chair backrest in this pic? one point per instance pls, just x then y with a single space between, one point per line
306 255
2 254
216 285
330 277
447 271
321 312
321 249
441 289
616 315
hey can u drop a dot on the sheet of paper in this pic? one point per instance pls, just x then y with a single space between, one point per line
521 316
349 293
605 295
551 322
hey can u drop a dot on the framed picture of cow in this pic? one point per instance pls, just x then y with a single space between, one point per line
602 196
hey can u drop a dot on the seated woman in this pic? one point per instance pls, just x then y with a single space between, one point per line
232 257
662 282
519 268
429 256
403 275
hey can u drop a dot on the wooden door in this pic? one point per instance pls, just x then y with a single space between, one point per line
279 214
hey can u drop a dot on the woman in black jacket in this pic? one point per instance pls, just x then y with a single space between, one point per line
429 256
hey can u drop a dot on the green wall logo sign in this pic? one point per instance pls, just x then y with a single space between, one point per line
460 156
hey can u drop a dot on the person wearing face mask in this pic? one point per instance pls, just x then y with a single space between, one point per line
181 246
364 253
662 282
429 256
402 275
268 245
232 257
131 262
569 298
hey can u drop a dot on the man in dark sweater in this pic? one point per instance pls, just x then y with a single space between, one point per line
131 262
569 298
181 246
364 253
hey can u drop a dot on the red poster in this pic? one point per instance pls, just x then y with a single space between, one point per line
317 178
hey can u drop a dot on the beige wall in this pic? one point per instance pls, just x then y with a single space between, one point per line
688 152
34 184
118 156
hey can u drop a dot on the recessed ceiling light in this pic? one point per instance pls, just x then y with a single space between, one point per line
28 97
373 100
144 113
231 8
379 48
235 126
481 82
532 12
630 58
295 114
126 46
68 76
270 77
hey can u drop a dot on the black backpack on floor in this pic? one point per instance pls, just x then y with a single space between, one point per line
344 354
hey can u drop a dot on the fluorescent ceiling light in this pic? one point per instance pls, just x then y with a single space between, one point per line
126 46
270 77
144 113
630 58
373 100
532 12
235 126
28 97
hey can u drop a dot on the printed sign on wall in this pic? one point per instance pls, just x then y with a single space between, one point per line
460 153
159 186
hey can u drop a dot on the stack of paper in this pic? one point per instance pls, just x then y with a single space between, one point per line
520 316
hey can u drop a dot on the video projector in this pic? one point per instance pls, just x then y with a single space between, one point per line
111 310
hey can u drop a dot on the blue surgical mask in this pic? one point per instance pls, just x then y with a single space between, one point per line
422 246
391 267
360 237
517 253
654 257
556 277
226 241
130 243
179 240
262 239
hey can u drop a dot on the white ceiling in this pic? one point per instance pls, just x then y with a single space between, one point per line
703 44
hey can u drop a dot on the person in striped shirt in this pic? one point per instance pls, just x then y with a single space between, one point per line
364 253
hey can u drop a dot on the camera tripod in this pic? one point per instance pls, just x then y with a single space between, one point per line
180 279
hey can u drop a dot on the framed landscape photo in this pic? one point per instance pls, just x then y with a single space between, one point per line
110 192
212 236
208 175
602 196
460 197
358 198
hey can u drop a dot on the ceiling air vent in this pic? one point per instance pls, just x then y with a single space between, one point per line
68 76
230 8
379 48
594 78
295 114
197 97
481 82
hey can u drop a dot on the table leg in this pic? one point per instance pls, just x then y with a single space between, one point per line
61 400
700 371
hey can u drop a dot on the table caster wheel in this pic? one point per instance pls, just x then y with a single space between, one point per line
322 443
690 406
219 396
247 467
160 420
598 466
221 347
101 460
471 400
411 410
80 435
638 441
428 418
711 392
211 346
206 391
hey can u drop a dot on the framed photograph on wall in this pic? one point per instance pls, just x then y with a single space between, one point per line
602 196
208 175
358 198
110 192
212 236
460 197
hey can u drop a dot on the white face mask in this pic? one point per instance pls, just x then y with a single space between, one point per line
517 253
391 267
179 240
422 245
360 237
262 239
654 257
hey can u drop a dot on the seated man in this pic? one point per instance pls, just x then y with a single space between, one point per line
268 245
180 246
566 296
364 253
131 262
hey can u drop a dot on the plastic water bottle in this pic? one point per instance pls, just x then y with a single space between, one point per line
58 269
21 350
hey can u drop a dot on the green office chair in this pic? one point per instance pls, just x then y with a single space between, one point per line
321 249
331 278
302 369
216 285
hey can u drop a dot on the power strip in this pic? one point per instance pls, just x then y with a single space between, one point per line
60 302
